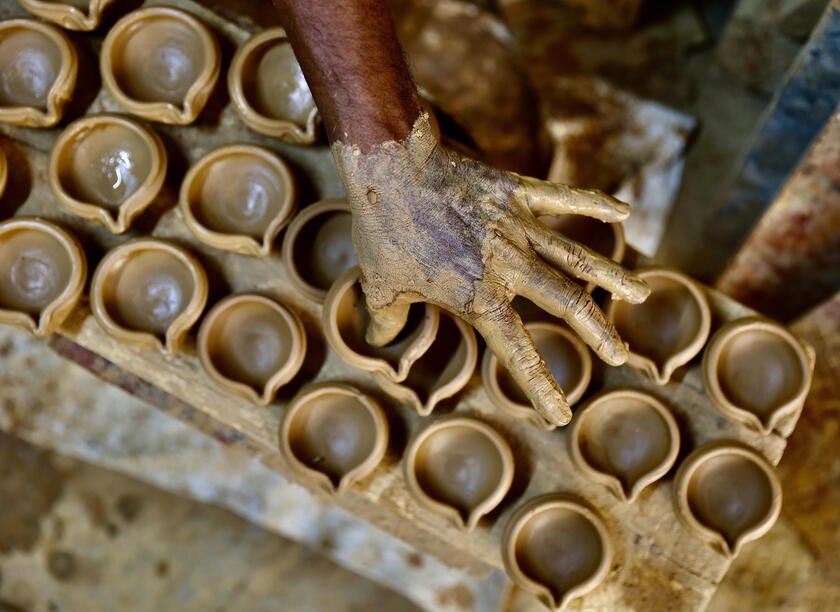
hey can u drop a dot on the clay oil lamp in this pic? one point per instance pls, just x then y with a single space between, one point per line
626 439
442 371
238 198
38 69
161 64
251 346
757 372
148 292
669 328
81 15
318 247
727 495
556 548
107 169
459 468
42 273
269 91
333 435
567 358
345 320
606 239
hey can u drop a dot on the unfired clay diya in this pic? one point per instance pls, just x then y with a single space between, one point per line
269 91
556 548
568 359
38 68
669 328
161 64
334 435
148 292
318 247
604 238
82 15
251 346
345 320
442 371
626 439
42 273
757 372
107 169
460 468
727 495
238 198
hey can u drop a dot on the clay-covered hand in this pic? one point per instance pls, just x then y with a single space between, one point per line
431 225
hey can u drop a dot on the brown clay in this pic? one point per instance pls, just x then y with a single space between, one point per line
441 372
251 346
42 273
669 329
269 91
38 68
606 239
727 494
148 292
107 169
626 439
566 357
160 63
333 434
82 15
345 320
557 548
757 372
238 198
460 468
318 247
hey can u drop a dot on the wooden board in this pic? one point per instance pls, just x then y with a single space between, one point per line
658 564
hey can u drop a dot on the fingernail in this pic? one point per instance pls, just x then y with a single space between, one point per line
618 355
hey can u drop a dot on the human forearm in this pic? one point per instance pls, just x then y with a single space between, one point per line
349 53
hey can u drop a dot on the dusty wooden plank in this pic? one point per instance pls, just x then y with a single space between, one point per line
791 260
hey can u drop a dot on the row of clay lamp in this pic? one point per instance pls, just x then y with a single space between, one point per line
171 85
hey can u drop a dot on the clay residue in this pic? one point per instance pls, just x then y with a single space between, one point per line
30 485
456 596
655 588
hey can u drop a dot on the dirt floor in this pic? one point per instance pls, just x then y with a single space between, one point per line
78 538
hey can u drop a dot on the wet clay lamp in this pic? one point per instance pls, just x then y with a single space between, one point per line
251 346
269 91
38 68
459 468
238 198
757 372
626 439
160 64
148 292
345 319
606 239
334 435
567 358
669 328
107 169
81 15
727 494
556 548
318 247
443 370
42 273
